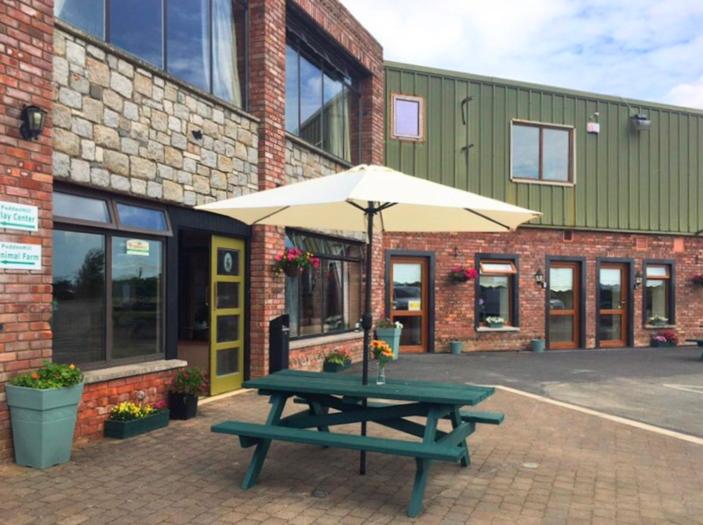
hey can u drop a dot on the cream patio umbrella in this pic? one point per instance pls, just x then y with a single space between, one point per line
367 197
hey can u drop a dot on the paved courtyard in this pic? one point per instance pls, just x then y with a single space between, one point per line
659 386
546 464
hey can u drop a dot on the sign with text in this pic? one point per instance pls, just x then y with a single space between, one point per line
15 256
16 216
137 247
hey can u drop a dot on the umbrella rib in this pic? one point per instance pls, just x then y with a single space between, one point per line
488 219
257 221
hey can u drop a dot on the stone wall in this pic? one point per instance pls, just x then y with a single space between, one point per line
304 162
122 125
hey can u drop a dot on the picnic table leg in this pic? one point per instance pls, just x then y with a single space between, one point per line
318 410
278 402
423 466
456 421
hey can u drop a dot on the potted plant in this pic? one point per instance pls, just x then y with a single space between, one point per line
183 394
658 320
389 331
664 338
131 419
382 353
697 280
336 361
43 406
292 262
494 321
462 274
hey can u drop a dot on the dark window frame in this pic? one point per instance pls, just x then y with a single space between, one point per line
541 126
244 82
670 292
513 296
325 257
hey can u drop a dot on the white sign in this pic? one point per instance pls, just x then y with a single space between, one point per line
137 247
18 216
414 305
15 256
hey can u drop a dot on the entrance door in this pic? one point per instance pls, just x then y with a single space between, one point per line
564 304
226 314
613 298
409 301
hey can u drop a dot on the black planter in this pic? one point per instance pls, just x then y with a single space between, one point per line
182 406
334 367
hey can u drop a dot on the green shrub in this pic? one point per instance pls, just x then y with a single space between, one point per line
51 375
189 381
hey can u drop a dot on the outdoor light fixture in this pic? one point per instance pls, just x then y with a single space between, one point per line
640 122
539 279
638 279
32 122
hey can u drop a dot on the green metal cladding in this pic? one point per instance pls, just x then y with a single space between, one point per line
625 180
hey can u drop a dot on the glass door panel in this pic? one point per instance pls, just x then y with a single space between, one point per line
564 304
227 314
409 299
612 305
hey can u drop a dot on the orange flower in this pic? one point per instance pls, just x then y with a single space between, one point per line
35 375
72 366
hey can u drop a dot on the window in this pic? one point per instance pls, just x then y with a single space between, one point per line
194 40
108 283
407 117
321 102
542 153
659 293
327 299
496 289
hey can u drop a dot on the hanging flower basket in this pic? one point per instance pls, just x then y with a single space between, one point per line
293 261
462 274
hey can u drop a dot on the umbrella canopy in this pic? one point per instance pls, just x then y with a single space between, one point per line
405 203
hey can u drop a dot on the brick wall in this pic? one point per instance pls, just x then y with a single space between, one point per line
26 36
312 357
454 303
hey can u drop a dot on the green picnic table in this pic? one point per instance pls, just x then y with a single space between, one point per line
334 399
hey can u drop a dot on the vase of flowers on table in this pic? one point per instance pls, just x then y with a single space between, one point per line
382 353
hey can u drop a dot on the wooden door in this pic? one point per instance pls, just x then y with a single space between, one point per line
564 304
613 304
226 314
409 295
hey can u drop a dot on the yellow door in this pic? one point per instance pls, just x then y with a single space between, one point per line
226 314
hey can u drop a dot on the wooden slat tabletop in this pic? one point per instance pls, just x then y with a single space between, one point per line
297 382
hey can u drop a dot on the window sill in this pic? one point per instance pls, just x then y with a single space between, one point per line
658 326
325 339
136 369
567 184
484 329
319 151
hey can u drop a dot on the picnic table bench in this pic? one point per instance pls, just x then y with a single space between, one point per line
348 398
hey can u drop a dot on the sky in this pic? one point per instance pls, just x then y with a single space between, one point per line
642 49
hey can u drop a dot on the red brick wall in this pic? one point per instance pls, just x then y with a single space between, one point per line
99 398
454 303
312 357
26 48
267 102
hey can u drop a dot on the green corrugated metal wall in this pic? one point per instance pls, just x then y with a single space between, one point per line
626 180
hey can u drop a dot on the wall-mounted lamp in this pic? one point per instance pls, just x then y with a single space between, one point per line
638 279
593 126
456 251
640 122
32 122
539 279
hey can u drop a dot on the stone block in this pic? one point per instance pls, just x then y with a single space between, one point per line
82 127
88 149
129 146
121 84
97 72
143 84
60 71
131 110
138 186
116 162
154 190
142 168
173 157
75 53
172 191
93 109
71 98
67 142
112 100
107 137
120 183
100 177
159 120
60 164
61 116
80 170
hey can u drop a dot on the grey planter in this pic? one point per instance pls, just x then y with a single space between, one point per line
456 347
537 345
43 422
390 336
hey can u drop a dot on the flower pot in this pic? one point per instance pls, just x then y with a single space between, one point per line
182 406
537 345
456 347
127 429
458 278
292 270
43 422
390 336
662 344
334 367
495 325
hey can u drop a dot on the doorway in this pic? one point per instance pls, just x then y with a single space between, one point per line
410 300
614 309
565 303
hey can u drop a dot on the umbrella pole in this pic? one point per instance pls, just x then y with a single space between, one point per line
367 319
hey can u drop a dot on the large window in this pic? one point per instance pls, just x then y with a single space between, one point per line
324 300
108 280
497 294
542 153
321 102
659 293
194 40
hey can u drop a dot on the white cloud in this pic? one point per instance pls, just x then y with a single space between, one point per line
633 48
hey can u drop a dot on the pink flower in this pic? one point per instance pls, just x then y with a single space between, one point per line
279 258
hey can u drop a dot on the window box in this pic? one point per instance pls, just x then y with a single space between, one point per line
127 429
335 367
